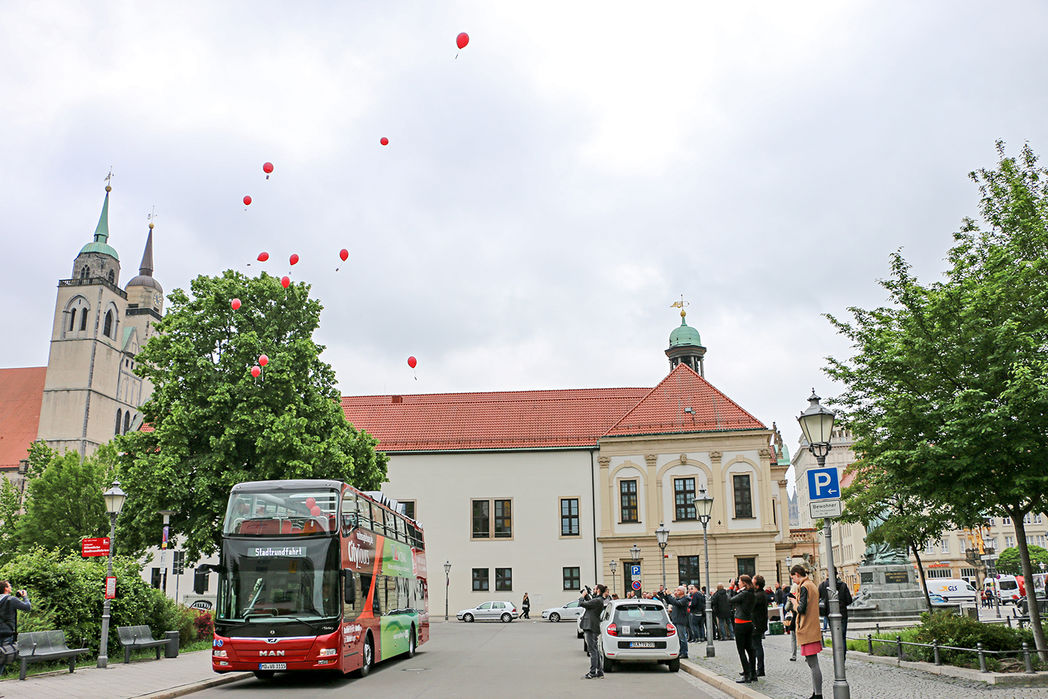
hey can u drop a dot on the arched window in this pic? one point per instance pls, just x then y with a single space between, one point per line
118 416
83 319
85 272
72 319
127 421
107 325
112 277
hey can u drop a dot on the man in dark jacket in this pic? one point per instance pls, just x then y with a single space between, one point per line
678 604
9 608
594 606
697 609
722 626
760 623
844 597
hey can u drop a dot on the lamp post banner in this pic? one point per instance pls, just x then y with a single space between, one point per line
110 587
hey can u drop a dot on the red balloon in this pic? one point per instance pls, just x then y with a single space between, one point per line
412 362
235 303
263 359
344 254
316 511
255 371
263 256
462 39
384 141
285 282
267 168
247 200
311 502
293 259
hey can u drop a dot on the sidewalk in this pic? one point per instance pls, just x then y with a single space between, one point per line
792 680
168 677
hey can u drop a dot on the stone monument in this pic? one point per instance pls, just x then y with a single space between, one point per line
889 590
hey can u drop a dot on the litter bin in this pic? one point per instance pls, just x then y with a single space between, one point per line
171 649
775 628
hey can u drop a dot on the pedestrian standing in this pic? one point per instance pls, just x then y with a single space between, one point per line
760 623
594 606
697 608
743 602
721 615
809 637
678 604
525 607
10 605
790 619
844 598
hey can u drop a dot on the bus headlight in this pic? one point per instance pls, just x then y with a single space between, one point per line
325 652
219 654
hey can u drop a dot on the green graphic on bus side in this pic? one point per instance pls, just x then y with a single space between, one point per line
396 559
395 632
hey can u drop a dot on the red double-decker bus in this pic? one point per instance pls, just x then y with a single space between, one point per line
316 575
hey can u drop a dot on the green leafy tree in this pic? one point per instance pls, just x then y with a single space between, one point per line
211 424
947 388
907 519
1010 563
63 500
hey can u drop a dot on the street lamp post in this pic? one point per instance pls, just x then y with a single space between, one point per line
613 565
662 535
114 498
447 584
817 426
704 511
635 553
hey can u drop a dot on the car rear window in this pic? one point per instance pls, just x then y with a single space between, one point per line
1009 585
636 613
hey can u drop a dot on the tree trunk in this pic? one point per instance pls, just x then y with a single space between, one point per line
1024 559
924 583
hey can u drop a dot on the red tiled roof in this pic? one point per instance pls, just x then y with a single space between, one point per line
21 392
494 420
662 411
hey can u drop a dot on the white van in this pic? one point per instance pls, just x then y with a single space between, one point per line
1006 586
953 590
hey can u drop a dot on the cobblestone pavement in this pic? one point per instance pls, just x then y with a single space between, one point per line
792 680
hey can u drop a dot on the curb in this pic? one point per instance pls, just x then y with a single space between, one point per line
724 684
197 686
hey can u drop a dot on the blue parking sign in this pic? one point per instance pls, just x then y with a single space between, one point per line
823 484
635 571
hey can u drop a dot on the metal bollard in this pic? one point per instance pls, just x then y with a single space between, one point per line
1009 620
869 642
878 628
935 649
898 646
1026 657
982 657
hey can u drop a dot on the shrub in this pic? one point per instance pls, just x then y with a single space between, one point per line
964 632
205 625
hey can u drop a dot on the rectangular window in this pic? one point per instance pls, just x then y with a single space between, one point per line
1009 542
944 545
683 498
481 519
569 516
481 579
408 507
938 573
743 499
747 566
628 501
572 578
1007 521
1037 519
503 579
200 581
154 578
929 546
503 519
968 573
688 570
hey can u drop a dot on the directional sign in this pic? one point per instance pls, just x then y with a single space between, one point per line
823 484
95 547
635 584
635 570
989 556
821 509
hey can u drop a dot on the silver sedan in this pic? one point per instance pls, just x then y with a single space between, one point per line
490 611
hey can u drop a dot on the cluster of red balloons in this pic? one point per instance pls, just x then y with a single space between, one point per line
314 508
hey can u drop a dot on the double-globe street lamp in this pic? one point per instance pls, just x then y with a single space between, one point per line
447 584
704 511
662 535
114 498
817 426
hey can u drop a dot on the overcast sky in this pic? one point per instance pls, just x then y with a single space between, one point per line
545 196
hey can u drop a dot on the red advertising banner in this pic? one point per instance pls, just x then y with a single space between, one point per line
111 587
95 547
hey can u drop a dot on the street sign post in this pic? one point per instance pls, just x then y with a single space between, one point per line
823 484
821 509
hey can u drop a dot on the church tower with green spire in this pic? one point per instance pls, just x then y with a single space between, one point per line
90 390
686 347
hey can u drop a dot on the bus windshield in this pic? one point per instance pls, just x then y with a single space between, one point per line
281 513
298 582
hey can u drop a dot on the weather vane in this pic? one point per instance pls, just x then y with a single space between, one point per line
680 304
151 216
109 176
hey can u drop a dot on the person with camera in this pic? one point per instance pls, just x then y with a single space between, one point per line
9 606
593 602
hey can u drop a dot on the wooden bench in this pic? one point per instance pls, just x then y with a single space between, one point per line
41 646
136 637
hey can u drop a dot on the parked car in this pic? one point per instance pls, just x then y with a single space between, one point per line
1006 587
638 631
571 610
489 611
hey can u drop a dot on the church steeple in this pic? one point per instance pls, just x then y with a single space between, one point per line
102 229
97 259
686 345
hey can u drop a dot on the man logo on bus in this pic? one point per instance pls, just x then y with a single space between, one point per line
270 652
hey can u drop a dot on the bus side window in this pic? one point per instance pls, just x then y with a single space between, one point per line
349 511
363 513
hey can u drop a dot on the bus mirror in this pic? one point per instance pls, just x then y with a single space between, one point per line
351 588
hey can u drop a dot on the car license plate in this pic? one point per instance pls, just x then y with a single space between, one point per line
642 644
272 666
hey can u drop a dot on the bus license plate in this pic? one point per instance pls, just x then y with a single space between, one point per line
272 666
642 644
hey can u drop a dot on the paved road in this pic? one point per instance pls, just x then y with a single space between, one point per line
522 659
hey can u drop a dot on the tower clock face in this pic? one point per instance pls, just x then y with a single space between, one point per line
157 299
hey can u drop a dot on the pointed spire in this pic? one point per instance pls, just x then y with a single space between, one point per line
102 229
145 268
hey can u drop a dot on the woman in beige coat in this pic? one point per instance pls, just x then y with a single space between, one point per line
808 631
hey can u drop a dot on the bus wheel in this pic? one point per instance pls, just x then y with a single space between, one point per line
369 658
411 643
264 674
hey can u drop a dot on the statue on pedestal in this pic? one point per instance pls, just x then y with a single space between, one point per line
882 553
